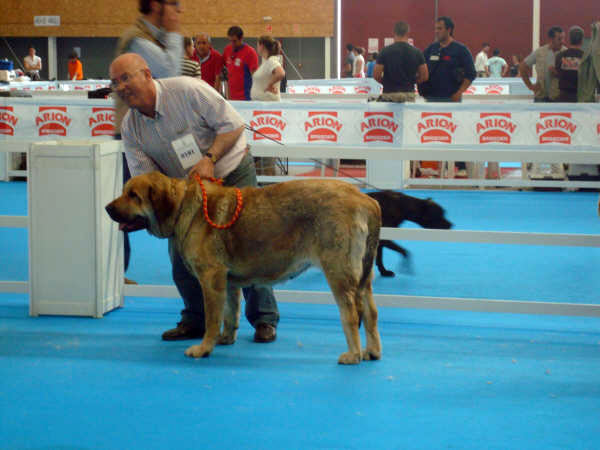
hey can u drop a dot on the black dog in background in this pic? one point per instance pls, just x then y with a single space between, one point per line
395 209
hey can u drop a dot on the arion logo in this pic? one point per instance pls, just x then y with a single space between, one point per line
269 123
470 90
555 128
436 127
378 126
337 90
362 89
102 121
312 90
8 120
322 126
493 89
497 127
52 120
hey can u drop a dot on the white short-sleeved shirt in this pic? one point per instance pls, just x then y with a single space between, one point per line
481 61
261 79
33 61
496 63
183 105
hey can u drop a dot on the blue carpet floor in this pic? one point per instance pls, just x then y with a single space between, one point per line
446 379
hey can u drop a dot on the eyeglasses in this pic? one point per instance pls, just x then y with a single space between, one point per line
123 79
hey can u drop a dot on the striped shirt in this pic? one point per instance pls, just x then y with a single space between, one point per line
191 68
183 105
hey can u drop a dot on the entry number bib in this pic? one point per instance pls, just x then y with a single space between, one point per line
187 151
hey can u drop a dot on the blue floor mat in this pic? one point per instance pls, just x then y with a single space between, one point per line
446 380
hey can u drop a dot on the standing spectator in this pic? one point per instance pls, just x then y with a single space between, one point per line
497 65
158 111
155 37
451 70
189 67
514 66
371 64
588 82
33 64
349 61
567 66
481 61
211 61
399 66
358 67
265 86
241 62
545 88
266 79
450 65
75 67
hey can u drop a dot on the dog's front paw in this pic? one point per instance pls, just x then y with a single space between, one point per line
198 351
226 339
349 358
387 273
370 354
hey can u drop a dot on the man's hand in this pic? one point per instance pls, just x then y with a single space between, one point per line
271 89
204 168
535 87
456 97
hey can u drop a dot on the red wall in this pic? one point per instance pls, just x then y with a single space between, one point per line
579 12
505 24
364 19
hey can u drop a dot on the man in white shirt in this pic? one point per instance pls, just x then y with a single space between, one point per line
497 65
162 112
33 64
481 61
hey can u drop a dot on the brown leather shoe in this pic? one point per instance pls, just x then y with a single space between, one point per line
265 333
183 331
128 281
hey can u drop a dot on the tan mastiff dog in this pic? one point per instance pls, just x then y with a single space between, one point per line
282 230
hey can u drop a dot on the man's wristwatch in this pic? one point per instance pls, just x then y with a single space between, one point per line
212 157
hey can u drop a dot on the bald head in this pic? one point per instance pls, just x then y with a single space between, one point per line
131 79
127 62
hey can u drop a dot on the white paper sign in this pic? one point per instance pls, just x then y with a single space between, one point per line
388 41
373 45
187 151
46 21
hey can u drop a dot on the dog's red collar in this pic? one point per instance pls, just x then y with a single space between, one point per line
238 207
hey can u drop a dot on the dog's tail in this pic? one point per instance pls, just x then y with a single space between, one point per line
373 227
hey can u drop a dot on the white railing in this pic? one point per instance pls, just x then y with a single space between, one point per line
578 154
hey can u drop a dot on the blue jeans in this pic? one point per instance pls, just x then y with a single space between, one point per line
261 306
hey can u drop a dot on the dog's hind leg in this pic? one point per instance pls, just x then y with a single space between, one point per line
231 317
364 295
344 293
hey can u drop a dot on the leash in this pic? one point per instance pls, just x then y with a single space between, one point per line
318 161
238 193
238 205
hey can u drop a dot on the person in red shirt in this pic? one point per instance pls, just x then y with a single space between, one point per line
241 61
210 60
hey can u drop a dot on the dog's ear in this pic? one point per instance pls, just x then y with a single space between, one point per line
161 201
